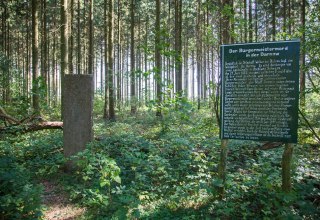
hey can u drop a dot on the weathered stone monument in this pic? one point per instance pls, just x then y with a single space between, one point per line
77 113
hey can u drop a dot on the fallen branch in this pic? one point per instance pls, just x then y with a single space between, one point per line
8 118
25 128
28 124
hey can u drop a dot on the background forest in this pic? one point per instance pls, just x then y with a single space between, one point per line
156 66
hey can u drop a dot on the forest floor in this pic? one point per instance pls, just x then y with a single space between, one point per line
57 203
145 168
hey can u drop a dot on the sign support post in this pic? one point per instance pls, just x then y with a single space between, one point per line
286 167
223 165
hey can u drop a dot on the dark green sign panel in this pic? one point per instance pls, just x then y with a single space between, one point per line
260 91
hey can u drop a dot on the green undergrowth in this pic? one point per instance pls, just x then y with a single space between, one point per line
143 167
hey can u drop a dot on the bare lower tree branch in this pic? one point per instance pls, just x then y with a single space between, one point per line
309 126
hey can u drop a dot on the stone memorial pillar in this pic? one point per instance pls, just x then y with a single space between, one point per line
77 113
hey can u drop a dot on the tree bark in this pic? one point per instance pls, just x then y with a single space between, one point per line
106 84
178 46
110 62
78 40
44 43
63 45
245 21
158 65
132 61
273 20
70 59
35 56
250 22
199 52
90 40
302 54
222 166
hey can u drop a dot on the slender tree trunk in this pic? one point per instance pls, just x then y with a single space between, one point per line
106 84
119 85
186 69
302 54
70 59
132 61
273 20
193 76
158 66
178 46
289 16
147 93
101 66
245 21
35 66
27 58
90 40
250 22
54 61
284 14
85 56
139 90
256 20
199 49
78 40
44 62
112 115
224 148
64 46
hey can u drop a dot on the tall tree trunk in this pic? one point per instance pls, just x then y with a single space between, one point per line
90 39
132 61
302 54
112 115
35 66
256 20
289 16
245 21
54 62
273 20
178 46
147 93
44 62
27 57
284 14
250 22
78 40
224 148
186 69
64 46
199 51
193 76
106 84
158 66
120 80
140 62
71 37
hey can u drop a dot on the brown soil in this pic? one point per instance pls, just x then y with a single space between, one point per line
58 206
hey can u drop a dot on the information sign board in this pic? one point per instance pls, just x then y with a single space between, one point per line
260 91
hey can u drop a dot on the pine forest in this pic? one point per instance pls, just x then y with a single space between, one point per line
155 149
